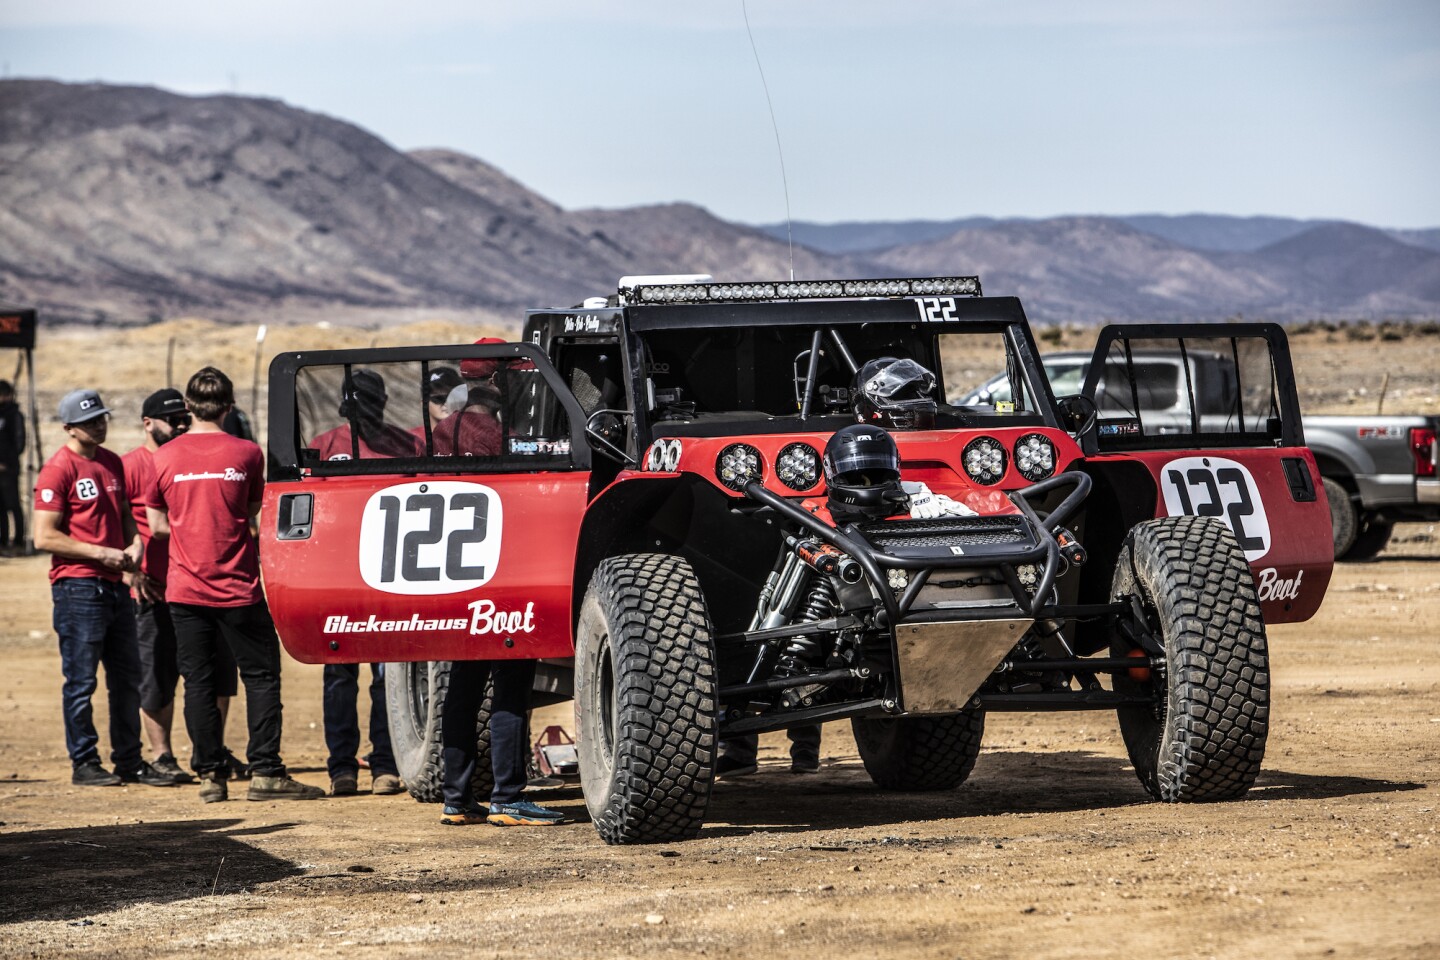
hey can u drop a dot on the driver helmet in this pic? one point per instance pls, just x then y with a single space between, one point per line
862 474
894 393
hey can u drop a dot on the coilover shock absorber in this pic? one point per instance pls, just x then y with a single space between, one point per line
807 653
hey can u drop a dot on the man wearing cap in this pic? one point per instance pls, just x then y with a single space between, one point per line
365 434
207 490
82 517
163 418
439 383
472 427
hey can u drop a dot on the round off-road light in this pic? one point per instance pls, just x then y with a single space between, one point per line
1034 457
737 465
798 466
984 460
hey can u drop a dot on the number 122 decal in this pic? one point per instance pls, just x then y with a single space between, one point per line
1216 487
430 538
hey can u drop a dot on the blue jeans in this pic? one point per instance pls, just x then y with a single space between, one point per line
342 724
511 681
95 620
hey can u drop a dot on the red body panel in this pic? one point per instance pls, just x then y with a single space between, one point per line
1289 545
436 568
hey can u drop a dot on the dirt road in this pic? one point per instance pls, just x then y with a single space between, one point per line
1050 851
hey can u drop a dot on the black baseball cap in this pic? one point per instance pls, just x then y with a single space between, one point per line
442 380
163 403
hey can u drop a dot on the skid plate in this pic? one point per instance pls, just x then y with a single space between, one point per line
943 664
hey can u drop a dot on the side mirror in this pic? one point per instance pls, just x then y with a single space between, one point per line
1077 414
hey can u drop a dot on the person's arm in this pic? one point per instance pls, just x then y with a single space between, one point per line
136 549
159 520
50 538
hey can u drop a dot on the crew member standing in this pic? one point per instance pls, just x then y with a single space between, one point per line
12 444
207 490
82 517
163 417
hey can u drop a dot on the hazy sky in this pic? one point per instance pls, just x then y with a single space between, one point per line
931 109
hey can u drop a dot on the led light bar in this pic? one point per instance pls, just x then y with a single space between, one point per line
801 290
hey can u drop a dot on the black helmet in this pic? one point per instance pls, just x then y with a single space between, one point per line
894 393
862 472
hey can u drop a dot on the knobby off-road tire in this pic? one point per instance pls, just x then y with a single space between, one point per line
1344 521
920 753
1204 739
414 693
1372 537
645 700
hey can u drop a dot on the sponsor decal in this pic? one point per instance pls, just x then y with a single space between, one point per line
958 551
86 489
230 474
1216 487
341 623
430 538
339 456
47 495
1380 432
539 446
1273 587
485 619
663 456
1120 428
585 325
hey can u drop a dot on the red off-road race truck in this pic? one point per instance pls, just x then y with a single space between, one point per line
633 495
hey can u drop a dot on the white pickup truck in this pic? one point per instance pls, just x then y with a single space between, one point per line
1377 469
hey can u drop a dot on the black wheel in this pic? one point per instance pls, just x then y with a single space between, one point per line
1373 536
414 693
1344 523
920 753
1204 737
645 700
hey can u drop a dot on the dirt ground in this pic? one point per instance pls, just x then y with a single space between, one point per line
1050 850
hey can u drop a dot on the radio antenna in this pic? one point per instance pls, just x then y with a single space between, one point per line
784 182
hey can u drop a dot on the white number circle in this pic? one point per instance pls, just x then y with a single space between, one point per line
1216 487
430 537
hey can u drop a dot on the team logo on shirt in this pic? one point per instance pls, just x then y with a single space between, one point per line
85 489
47 496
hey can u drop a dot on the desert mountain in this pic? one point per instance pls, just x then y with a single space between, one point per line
120 204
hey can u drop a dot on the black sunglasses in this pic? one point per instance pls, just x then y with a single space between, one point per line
178 420
439 397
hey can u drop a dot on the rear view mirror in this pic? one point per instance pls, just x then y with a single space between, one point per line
1077 413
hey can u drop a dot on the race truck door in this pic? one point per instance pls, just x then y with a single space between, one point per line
1211 411
423 503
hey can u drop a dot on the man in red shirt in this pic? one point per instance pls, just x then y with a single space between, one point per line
82 517
365 432
207 489
472 428
163 418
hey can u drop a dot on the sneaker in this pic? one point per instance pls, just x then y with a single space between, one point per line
386 784
727 768
213 786
282 788
238 770
344 786
806 765
92 774
166 763
149 776
523 813
453 816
